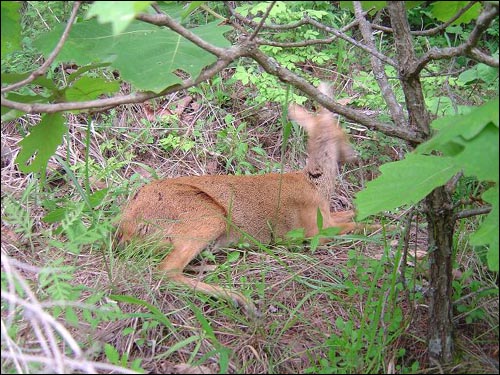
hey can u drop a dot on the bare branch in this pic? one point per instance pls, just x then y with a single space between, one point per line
395 109
352 41
483 21
251 23
45 66
483 58
472 212
419 119
434 30
259 26
308 20
306 43
231 54
273 67
166 20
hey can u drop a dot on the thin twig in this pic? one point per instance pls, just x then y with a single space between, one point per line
75 364
45 66
467 48
165 20
138 97
305 43
395 108
472 212
271 66
434 30
253 24
259 26
354 42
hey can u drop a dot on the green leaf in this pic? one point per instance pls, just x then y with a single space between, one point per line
487 233
480 72
71 316
55 215
119 13
97 197
480 155
233 256
8 78
111 354
444 10
466 126
146 55
314 243
10 114
472 140
41 143
155 311
89 88
366 5
11 27
73 76
404 182
319 219
192 6
297 234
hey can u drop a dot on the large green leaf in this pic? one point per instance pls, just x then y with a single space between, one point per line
146 55
366 5
88 88
470 143
471 139
404 182
480 155
454 128
487 233
444 10
41 143
11 27
119 13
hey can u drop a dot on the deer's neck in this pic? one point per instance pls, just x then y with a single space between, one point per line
322 178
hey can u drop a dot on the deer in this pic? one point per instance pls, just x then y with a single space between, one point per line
191 212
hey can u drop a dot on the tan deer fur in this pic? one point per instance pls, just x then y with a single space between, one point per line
191 212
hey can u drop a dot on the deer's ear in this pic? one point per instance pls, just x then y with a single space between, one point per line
348 153
301 116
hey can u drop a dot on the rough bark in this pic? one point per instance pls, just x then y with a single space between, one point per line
440 219
439 210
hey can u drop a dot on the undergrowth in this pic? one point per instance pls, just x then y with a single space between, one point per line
76 300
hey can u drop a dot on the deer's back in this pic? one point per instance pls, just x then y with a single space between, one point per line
261 205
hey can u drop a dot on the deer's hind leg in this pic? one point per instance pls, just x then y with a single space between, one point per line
344 220
189 238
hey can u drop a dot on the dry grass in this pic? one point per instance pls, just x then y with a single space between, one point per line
300 293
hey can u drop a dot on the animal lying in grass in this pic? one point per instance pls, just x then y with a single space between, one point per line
192 212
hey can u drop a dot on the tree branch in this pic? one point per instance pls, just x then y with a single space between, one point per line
246 48
306 43
483 58
352 41
483 21
253 24
45 66
273 67
472 212
231 54
259 26
395 109
307 20
166 20
419 119
434 30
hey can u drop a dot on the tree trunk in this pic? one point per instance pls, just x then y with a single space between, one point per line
439 210
440 232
